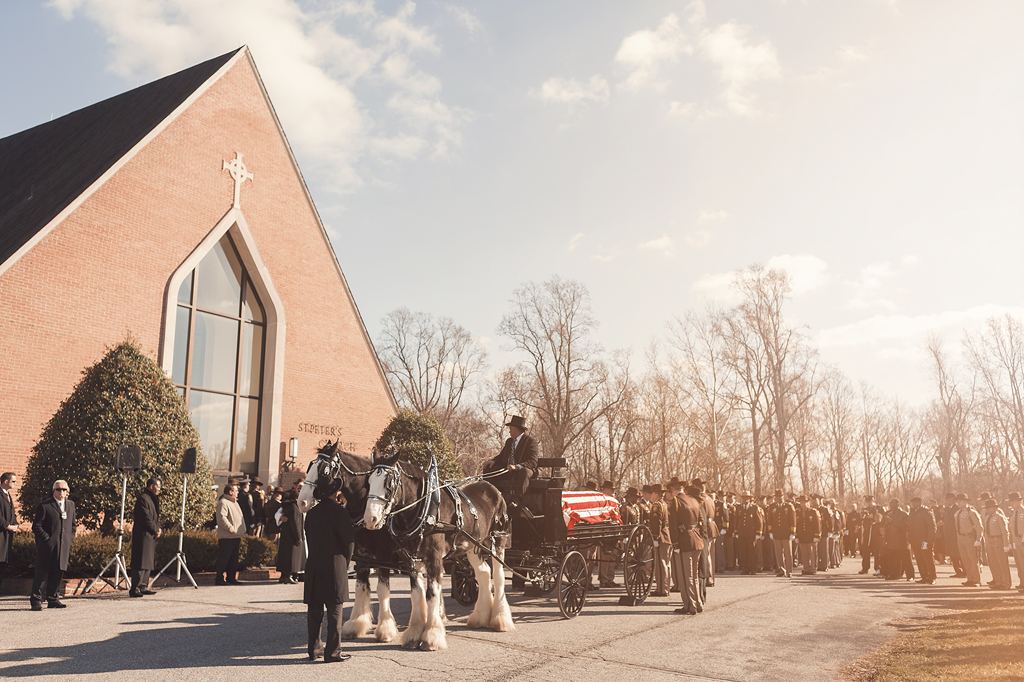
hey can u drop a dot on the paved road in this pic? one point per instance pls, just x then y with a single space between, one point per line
754 628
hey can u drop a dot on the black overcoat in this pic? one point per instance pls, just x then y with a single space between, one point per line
291 549
7 518
53 534
147 523
329 538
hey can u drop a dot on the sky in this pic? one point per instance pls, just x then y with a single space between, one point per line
649 149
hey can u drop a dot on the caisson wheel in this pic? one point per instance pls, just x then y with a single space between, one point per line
573 580
464 587
638 564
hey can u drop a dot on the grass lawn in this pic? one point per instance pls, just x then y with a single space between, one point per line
985 641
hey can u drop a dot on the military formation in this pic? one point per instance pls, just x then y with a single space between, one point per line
699 532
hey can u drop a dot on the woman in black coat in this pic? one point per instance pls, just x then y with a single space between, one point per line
291 552
145 531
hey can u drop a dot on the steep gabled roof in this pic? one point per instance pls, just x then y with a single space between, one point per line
44 169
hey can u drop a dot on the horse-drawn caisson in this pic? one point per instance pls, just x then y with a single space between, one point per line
413 523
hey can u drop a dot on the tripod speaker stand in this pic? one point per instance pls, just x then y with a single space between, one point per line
188 466
129 459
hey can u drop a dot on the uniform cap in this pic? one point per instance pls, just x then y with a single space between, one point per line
646 489
1014 497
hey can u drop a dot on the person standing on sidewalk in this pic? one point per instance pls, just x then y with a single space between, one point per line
997 537
1016 525
54 528
230 529
145 531
329 538
921 532
969 531
8 519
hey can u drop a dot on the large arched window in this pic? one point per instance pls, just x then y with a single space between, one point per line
219 344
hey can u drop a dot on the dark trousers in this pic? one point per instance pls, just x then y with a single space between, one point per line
140 578
227 557
52 578
956 563
925 564
314 621
3 565
898 563
865 562
747 550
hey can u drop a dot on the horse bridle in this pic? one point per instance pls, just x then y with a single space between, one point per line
392 483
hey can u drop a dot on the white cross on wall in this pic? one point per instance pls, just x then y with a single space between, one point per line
239 174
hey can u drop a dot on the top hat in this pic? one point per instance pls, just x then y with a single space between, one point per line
632 492
646 489
1014 497
517 422
607 484
779 493
675 483
656 488
591 485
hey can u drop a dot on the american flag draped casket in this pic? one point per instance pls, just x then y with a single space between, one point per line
588 506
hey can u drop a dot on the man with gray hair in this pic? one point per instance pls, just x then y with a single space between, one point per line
54 528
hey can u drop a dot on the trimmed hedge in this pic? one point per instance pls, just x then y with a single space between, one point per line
90 552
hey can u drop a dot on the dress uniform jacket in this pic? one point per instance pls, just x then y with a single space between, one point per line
749 521
781 520
1015 521
997 531
53 534
808 525
146 525
967 522
329 537
659 522
686 526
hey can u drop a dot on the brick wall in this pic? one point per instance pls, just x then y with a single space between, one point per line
102 274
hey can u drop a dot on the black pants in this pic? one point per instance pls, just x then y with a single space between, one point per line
925 564
314 620
3 565
227 557
140 578
747 550
52 578
515 482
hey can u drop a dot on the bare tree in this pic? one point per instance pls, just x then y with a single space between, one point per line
563 372
948 421
839 422
430 362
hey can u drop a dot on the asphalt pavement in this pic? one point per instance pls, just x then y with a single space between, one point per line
757 627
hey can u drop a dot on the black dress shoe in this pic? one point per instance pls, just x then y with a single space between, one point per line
134 594
337 659
685 612
316 655
230 582
219 582
148 591
37 606
56 604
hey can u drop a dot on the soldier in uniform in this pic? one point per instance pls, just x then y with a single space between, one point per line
997 537
781 521
729 539
645 503
821 547
1016 527
950 536
686 525
808 533
921 533
969 531
722 521
851 533
659 524
749 527
675 489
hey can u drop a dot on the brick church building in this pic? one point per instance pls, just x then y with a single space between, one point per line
176 213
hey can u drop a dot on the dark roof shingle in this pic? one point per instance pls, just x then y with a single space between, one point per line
45 168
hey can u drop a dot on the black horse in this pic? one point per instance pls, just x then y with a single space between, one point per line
334 470
432 523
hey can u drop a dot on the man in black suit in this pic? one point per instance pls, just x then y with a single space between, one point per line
329 539
8 519
54 528
145 531
519 456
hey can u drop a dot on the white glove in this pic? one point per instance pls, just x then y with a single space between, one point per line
656 543
722 532
677 551
924 545
792 537
1007 549
977 543
758 537
846 532
771 536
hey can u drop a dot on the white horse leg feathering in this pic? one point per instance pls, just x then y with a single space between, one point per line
360 620
501 617
418 618
481 616
387 626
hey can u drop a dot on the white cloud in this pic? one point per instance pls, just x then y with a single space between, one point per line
605 254
698 238
663 244
465 18
645 52
575 241
740 62
575 93
806 273
312 64
681 109
871 286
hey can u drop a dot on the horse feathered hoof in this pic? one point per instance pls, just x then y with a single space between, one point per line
501 621
433 640
412 636
387 630
480 618
355 628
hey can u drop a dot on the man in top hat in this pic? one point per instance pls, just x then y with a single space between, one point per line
969 531
997 537
808 533
781 520
519 456
606 568
658 525
1015 521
